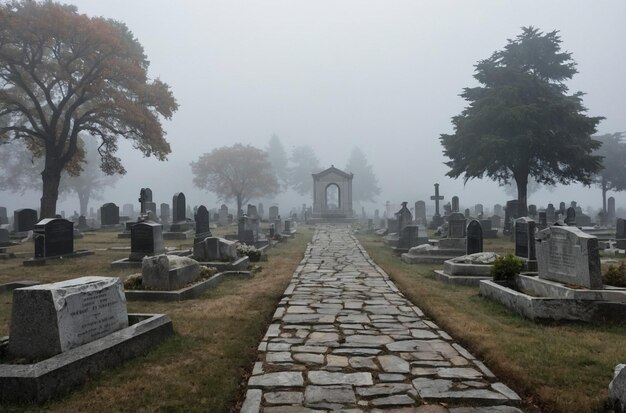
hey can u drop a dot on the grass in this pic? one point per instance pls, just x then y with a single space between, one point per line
205 366
561 367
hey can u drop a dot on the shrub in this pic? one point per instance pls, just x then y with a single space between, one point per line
505 268
250 250
133 282
615 276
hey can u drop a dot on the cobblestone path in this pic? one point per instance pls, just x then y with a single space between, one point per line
344 338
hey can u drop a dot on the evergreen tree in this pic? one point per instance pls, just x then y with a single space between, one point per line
612 177
364 184
304 164
277 156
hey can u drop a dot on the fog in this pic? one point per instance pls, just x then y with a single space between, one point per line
381 75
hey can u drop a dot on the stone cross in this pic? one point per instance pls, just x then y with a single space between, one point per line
436 198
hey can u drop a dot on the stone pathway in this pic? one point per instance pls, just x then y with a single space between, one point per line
343 338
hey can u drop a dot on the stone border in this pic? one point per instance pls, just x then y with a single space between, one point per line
467 280
56 375
186 293
17 284
548 308
32 262
240 264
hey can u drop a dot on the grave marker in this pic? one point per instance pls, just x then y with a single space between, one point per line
53 237
146 239
474 237
24 220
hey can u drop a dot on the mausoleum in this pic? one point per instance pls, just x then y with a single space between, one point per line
332 196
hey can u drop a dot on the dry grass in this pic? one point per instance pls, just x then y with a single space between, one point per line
205 365
563 368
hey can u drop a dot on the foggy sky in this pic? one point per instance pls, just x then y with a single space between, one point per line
382 75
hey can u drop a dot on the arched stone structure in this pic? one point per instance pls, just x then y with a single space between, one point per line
332 210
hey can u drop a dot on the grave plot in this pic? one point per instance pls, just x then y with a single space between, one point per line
54 239
62 333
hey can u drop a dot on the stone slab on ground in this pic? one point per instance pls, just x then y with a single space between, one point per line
344 338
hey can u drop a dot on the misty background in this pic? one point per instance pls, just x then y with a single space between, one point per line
384 76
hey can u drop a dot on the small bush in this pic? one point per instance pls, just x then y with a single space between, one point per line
207 272
250 250
133 282
615 276
505 268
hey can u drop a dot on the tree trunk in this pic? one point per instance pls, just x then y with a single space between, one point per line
83 199
51 178
522 195
604 191
239 206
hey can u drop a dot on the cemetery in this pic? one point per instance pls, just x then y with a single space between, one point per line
175 235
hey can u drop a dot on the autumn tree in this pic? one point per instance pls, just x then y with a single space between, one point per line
236 172
521 122
63 73
304 163
277 157
364 184
612 177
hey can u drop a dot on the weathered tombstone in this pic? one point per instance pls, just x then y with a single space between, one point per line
550 214
376 215
532 210
223 215
496 221
165 213
261 210
24 220
525 238
420 213
610 210
408 237
202 221
403 217
437 219
273 213
145 195
215 249
562 208
474 237
53 237
244 233
487 228
511 212
543 219
570 218
467 213
455 204
252 212
82 223
109 214
569 256
128 210
146 239
168 272
456 225
478 210
4 238
287 226
48 319
497 210
4 219
620 233
179 207
272 231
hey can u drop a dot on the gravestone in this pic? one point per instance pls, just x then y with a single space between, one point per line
223 215
53 237
202 221
245 234
409 237
474 237
497 210
420 213
570 218
273 213
550 214
376 216
496 221
128 210
261 210
252 211
146 239
488 231
582 220
478 210
165 213
168 272
543 220
525 238
455 204
562 208
145 196
48 319
511 212
403 217
610 210
287 226
215 249
82 223
467 213
532 210
4 239
569 256
456 225
437 220
109 214
179 208
620 233
272 231
4 219
24 220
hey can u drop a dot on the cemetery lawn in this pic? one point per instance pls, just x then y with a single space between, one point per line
205 365
560 367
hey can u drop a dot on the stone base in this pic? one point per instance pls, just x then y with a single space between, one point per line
435 256
468 280
541 307
186 293
56 375
178 235
241 264
17 284
32 262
